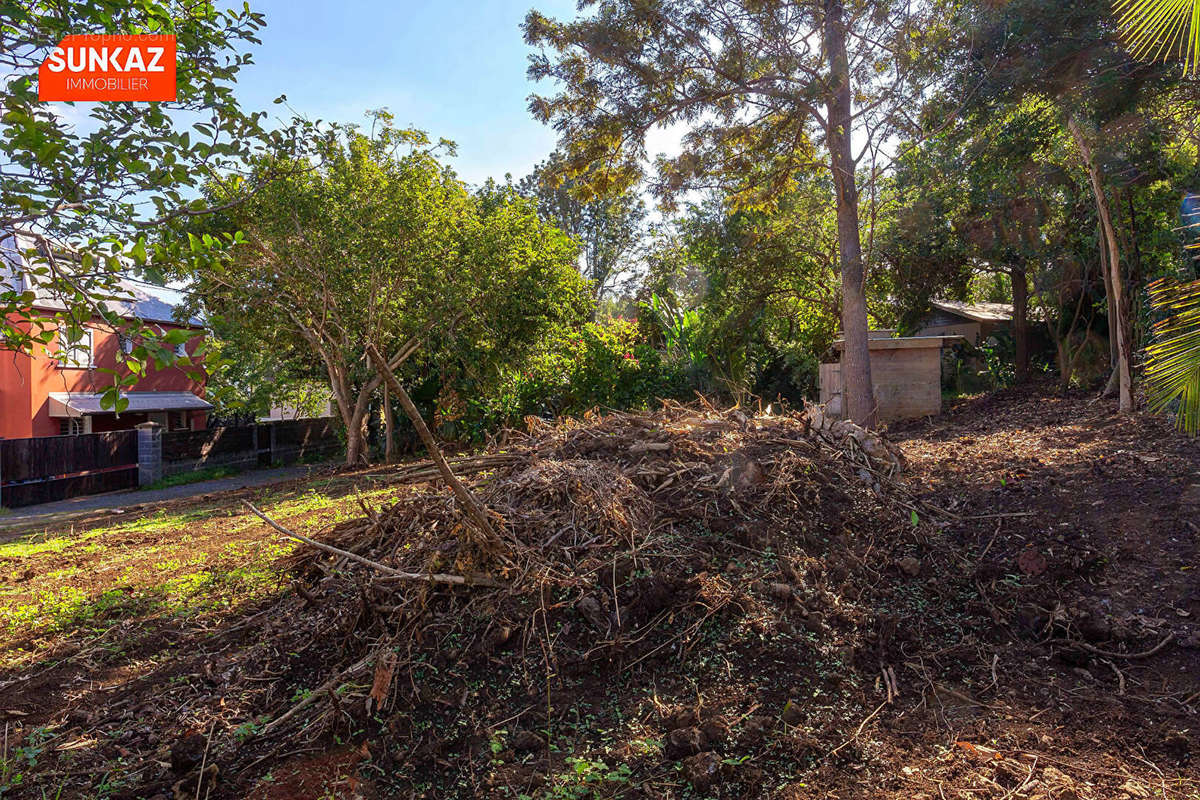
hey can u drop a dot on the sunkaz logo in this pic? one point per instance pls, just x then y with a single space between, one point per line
107 68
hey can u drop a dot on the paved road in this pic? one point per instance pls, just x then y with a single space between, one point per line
66 509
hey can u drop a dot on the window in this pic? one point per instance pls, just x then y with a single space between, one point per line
78 354
74 426
181 350
126 342
178 420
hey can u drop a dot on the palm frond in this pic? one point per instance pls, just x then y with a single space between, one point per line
1162 29
1173 359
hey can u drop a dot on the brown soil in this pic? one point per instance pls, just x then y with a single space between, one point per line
787 634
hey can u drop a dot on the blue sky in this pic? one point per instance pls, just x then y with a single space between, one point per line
453 68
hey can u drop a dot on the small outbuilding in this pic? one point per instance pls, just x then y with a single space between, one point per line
975 322
906 374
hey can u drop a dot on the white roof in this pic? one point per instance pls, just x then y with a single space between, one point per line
85 404
135 299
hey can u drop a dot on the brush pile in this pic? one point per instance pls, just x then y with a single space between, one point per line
625 542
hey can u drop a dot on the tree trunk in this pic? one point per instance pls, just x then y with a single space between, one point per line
474 510
389 427
1116 302
856 357
356 439
1020 294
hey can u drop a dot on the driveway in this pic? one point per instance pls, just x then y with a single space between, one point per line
63 510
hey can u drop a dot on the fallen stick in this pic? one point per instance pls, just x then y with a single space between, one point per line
315 695
1006 514
1107 654
429 577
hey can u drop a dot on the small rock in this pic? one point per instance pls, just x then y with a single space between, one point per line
1031 562
684 742
589 608
756 727
681 718
187 753
780 591
526 742
792 714
715 730
910 566
702 770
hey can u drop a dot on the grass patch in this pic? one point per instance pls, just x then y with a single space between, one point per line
184 478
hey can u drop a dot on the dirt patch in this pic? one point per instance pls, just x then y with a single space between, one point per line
698 605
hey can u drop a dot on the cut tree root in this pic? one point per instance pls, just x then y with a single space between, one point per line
428 577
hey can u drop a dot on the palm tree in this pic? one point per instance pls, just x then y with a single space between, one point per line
1168 29
1173 359
1164 29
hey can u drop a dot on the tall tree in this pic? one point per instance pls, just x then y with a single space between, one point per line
991 182
608 229
764 89
88 184
1070 53
381 245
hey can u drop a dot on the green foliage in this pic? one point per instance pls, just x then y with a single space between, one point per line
87 186
607 229
1173 363
380 244
185 478
605 364
586 779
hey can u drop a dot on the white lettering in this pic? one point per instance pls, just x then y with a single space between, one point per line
135 62
71 65
154 66
55 63
97 59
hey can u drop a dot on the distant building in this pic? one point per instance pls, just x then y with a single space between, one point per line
973 321
56 390
280 412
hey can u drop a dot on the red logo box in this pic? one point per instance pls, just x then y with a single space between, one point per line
107 68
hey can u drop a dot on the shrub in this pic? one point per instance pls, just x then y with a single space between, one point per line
606 364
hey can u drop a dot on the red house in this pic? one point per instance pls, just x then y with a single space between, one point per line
56 391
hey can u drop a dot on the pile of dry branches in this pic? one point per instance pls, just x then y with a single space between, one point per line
573 510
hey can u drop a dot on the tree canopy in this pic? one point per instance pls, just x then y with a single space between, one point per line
376 242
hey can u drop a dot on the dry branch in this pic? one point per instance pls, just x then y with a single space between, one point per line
458 580
470 505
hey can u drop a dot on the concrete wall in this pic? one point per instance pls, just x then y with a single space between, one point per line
908 383
971 331
906 375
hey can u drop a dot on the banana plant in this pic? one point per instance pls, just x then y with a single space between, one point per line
1173 358
1162 29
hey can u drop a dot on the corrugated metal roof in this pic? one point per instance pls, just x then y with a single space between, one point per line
85 404
135 299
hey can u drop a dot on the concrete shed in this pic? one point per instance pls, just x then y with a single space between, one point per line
905 372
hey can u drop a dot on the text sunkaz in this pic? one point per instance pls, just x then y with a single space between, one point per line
86 58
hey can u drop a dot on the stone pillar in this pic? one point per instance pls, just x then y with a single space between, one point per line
149 445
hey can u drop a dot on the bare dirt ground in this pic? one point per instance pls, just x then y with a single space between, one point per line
1020 622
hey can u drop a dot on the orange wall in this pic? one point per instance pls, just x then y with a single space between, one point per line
26 384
